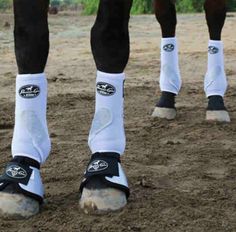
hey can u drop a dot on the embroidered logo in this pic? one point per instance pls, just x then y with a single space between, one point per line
15 171
213 50
105 89
29 91
97 165
169 47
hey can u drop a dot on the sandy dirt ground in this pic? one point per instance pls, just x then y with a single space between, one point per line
181 173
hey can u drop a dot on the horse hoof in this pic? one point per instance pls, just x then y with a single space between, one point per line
17 206
167 113
102 200
217 115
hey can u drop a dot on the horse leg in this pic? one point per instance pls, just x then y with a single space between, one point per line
170 80
105 186
31 143
31 35
215 83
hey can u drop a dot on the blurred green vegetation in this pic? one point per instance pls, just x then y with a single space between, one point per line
145 6
139 6
5 4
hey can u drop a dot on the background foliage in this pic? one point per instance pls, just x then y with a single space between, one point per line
145 6
139 6
5 4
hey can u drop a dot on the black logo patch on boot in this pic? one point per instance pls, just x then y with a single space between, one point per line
16 172
97 165
169 47
105 89
213 50
29 91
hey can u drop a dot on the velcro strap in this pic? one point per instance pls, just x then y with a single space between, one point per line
16 173
103 164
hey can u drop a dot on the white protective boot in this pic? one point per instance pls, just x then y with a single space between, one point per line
170 79
105 186
21 188
215 84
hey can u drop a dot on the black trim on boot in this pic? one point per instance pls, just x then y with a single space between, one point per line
215 103
167 100
17 172
103 165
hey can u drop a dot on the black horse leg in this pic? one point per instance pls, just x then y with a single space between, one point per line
215 80
110 47
166 15
110 36
31 35
30 142
165 12
31 49
215 16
